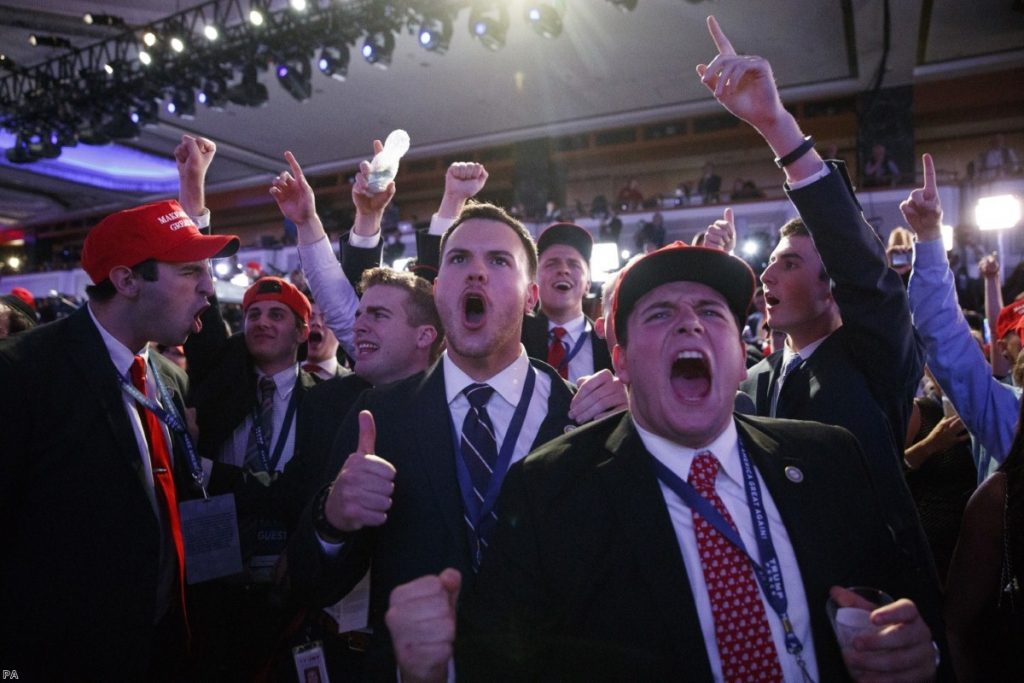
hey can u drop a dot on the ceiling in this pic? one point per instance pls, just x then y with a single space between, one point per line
608 68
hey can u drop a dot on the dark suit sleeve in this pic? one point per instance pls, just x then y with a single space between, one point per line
355 260
317 578
428 254
870 295
504 619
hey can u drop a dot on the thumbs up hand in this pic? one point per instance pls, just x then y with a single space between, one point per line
421 619
361 493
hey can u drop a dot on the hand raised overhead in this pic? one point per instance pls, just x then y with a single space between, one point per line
743 84
922 209
722 233
293 194
361 493
367 202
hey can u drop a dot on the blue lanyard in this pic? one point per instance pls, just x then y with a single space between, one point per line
476 510
564 365
269 461
768 571
169 417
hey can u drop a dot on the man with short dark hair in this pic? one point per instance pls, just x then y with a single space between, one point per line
92 571
415 496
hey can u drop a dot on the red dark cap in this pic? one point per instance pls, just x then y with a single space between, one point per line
1011 319
25 295
161 231
276 289
728 275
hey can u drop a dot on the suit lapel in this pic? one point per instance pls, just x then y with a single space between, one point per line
557 420
800 512
766 382
639 505
90 356
436 452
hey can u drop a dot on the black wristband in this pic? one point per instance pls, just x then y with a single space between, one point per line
321 524
806 146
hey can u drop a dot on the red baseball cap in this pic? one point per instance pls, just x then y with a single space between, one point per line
1011 319
276 289
160 231
25 295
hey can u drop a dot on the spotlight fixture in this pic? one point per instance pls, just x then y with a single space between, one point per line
435 34
7 63
333 62
489 24
177 44
149 39
378 47
183 103
256 17
214 93
37 40
145 58
298 5
44 145
546 18
211 32
102 20
249 92
19 154
294 76
624 5
124 126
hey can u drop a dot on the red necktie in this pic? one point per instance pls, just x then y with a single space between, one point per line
744 637
556 352
312 368
163 478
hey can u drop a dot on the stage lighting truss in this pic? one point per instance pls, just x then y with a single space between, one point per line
209 46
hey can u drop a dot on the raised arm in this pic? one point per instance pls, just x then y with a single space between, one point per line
987 407
331 289
193 157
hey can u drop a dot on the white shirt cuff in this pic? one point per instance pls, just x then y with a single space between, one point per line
364 241
439 225
813 178
202 221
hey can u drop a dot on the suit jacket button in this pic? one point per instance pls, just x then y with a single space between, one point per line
794 474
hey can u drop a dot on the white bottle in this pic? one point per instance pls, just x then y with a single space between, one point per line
384 166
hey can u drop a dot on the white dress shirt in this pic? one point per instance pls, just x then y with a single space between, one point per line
729 486
233 452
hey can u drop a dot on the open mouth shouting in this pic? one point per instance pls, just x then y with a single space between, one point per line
197 321
474 309
562 285
691 376
315 337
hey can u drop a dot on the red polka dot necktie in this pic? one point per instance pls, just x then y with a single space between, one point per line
744 637
556 352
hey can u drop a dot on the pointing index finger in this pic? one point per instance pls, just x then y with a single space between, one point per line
929 176
721 42
294 164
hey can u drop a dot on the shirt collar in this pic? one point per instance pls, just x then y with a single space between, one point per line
120 355
573 329
725 447
329 365
805 352
284 381
508 383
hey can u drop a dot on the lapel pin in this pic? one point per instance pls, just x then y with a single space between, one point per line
794 474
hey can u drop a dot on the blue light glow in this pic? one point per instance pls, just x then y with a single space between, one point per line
112 167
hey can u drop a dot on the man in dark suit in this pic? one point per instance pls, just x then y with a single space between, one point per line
598 571
91 573
403 502
627 549
559 332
